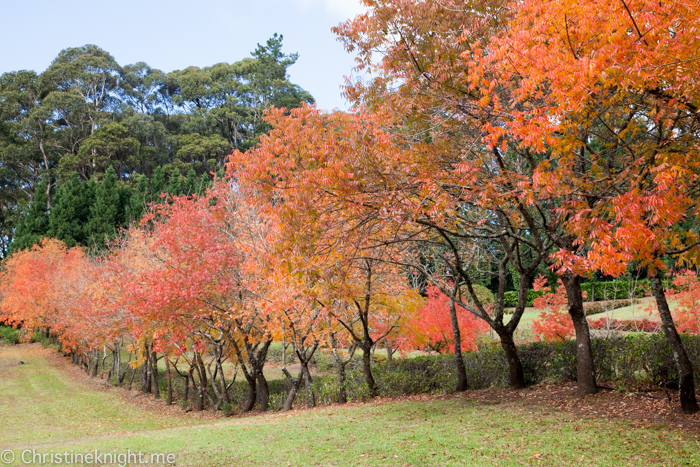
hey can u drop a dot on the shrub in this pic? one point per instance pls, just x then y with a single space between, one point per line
8 335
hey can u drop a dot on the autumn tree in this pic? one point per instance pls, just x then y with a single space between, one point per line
612 96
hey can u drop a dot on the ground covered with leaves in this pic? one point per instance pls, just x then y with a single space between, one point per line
48 405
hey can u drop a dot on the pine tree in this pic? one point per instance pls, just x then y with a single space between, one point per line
204 184
191 183
137 203
157 185
125 193
175 185
104 210
34 224
70 211
220 174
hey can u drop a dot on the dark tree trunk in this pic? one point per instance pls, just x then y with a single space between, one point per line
187 390
133 375
293 389
686 383
96 364
585 367
516 375
310 396
252 395
342 393
341 363
169 380
367 369
459 361
145 373
200 392
263 392
154 376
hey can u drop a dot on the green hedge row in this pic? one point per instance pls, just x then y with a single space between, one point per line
613 290
628 362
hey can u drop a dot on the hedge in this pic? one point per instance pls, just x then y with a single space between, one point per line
613 290
631 362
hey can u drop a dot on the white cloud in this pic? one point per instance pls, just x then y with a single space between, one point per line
343 8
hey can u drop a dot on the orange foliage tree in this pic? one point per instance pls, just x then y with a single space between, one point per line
609 89
553 323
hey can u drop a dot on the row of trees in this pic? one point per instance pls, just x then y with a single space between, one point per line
203 285
488 138
91 213
86 113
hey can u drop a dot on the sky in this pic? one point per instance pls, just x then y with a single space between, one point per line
174 34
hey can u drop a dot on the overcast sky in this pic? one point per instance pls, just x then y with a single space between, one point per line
175 34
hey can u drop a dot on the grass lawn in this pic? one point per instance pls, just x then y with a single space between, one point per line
46 407
637 311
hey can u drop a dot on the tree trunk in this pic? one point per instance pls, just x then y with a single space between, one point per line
187 390
310 396
168 376
686 383
154 375
389 351
342 394
145 373
367 369
96 364
263 392
252 395
516 375
585 368
293 389
459 361
200 392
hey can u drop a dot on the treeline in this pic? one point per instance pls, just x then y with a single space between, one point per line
86 113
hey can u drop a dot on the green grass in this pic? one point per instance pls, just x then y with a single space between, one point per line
46 409
635 311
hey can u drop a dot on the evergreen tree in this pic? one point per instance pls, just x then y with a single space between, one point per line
104 210
204 184
137 203
191 183
157 185
70 211
175 185
125 193
34 223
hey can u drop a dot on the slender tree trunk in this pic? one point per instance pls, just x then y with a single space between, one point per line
389 350
187 390
686 383
342 393
459 361
169 380
310 396
585 367
145 373
293 389
118 364
131 381
154 376
200 392
96 364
